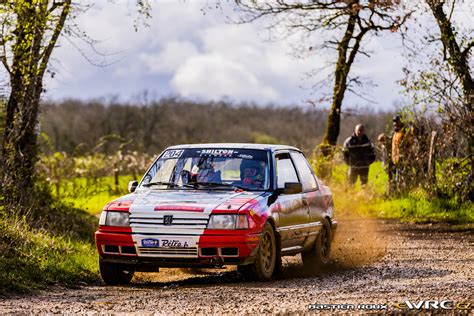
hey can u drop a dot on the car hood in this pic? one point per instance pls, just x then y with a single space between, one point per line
187 200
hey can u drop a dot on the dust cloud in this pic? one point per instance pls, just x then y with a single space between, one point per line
358 242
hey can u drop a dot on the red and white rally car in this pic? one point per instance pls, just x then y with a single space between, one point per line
211 205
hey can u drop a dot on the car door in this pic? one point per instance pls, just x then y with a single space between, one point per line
311 196
292 214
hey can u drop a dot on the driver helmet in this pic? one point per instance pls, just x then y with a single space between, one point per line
251 171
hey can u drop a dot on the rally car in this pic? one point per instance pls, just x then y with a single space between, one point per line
211 205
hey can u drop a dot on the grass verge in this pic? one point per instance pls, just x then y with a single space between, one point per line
34 255
416 206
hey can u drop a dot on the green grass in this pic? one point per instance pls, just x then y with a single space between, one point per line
33 257
423 210
54 244
91 195
416 206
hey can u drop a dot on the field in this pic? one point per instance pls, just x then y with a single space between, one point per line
92 196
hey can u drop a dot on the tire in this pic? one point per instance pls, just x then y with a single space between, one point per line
265 262
319 256
115 273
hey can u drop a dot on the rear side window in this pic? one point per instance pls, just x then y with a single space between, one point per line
285 170
304 170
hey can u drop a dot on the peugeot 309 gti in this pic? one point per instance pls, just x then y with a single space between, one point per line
213 205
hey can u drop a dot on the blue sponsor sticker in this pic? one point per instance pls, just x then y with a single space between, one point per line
151 243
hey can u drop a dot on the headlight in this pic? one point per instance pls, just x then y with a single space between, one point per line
116 219
228 222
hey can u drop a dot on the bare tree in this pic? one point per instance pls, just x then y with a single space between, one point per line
339 25
439 80
30 31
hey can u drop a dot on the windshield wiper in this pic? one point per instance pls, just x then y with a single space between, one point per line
214 184
171 184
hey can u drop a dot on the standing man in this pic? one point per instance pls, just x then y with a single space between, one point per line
359 153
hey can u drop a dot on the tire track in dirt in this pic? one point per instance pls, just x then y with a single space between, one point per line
374 262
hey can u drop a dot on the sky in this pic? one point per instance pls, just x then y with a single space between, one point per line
191 50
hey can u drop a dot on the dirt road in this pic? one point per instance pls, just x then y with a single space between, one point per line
376 262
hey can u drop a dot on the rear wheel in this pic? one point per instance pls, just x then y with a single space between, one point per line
115 273
320 254
264 266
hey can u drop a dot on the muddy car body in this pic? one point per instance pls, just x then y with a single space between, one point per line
211 205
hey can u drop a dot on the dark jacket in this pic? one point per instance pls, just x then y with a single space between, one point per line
358 153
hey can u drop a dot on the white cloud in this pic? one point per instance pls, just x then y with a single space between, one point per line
168 60
214 77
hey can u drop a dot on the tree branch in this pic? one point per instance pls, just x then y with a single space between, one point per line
467 49
54 38
56 5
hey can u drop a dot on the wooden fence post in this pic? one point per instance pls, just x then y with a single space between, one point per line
431 158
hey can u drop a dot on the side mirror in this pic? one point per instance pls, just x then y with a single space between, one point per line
132 186
292 188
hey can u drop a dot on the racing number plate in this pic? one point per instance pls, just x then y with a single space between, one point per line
166 243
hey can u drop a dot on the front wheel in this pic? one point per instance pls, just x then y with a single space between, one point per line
115 273
319 255
264 266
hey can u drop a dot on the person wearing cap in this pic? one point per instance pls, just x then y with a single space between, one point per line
359 154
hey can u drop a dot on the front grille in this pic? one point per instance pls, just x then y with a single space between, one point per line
183 223
168 252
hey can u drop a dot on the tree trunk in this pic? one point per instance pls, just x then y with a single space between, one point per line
36 32
346 56
19 149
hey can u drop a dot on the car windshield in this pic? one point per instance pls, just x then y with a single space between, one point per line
216 168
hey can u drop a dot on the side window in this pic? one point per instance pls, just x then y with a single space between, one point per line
307 178
285 170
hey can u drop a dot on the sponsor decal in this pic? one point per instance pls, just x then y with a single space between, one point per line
218 152
243 156
164 243
151 243
172 243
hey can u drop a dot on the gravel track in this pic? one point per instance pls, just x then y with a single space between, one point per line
377 262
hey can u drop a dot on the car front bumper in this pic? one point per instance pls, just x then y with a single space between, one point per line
211 250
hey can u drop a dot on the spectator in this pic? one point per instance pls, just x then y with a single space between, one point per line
359 154
401 141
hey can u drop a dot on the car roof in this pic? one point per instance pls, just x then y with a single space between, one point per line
270 147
